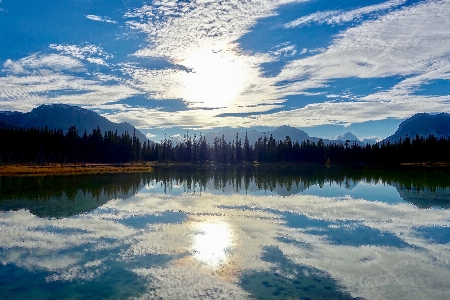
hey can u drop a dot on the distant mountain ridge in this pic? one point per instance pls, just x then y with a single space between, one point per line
422 124
63 116
278 134
348 136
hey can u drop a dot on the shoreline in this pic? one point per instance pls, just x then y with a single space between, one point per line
73 169
142 167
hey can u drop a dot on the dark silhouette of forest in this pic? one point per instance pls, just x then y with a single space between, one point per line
43 145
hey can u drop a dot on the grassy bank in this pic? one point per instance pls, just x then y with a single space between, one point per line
72 169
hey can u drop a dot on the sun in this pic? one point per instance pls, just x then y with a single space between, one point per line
213 78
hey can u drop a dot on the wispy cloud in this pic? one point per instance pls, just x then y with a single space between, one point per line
41 79
200 36
346 113
174 28
90 53
100 19
150 136
380 48
338 17
319 17
396 44
198 118
43 63
284 50
206 66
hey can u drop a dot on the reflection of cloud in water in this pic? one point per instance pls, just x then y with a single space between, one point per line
54 245
249 224
366 271
211 243
188 282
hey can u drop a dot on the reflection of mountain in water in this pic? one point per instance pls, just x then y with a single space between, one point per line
64 196
425 197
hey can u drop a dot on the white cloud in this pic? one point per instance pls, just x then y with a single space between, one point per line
211 80
26 92
49 78
100 19
284 50
90 53
14 67
396 44
338 17
319 17
176 28
380 48
195 118
346 113
40 63
200 36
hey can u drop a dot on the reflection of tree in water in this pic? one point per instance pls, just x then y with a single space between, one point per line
63 196
427 183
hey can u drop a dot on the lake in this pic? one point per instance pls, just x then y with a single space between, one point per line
260 232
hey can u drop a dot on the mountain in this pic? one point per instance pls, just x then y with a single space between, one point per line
62 116
278 134
347 137
369 141
422 124
295 134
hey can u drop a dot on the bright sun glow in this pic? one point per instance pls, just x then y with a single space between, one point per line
212 242
216 78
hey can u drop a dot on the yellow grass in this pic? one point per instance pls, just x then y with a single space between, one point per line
428 164
72 169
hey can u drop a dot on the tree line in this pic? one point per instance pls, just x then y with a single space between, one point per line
43 145
268 150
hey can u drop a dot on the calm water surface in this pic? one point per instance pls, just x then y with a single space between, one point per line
228 233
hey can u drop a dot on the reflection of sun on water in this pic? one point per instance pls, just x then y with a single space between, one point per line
212 242
216 78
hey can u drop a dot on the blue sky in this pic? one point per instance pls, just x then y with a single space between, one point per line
166 67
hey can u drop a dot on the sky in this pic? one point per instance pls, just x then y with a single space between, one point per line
169 67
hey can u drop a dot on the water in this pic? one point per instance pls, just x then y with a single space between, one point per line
303 232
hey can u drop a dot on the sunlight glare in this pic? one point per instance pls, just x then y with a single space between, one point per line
215 79
211 243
